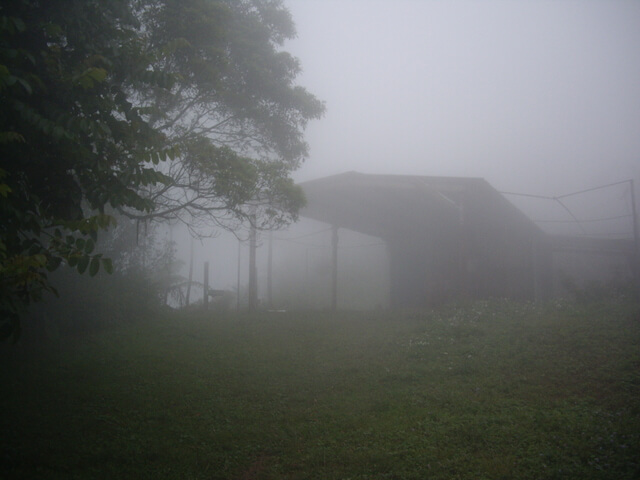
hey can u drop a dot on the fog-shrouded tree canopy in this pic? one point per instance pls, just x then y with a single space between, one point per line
182 110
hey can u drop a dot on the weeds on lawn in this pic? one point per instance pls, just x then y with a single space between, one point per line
485 390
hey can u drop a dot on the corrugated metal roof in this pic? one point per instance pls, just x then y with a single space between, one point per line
383 204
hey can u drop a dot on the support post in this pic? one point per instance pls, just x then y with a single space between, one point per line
334 270
270 272
238 277
636 240
307 287
462 250
535 269
190 274
205 293
253 272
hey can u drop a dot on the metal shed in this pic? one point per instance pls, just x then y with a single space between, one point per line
446 237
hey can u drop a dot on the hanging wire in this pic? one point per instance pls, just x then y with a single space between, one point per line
295 241
574 218
566 194
366 245
592 189
609 234
305 235
571 213
585 221
304 244
527 195
313 245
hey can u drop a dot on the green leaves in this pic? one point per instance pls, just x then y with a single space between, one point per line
9 137
12 25
60 134
89 246
5 190
80 260
90 77
39 122
90 224
107 264
83 262
157 109
54 263
158 78
8 80
94 266
162 155
76 250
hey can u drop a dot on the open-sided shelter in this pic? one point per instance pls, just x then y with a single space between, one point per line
446 237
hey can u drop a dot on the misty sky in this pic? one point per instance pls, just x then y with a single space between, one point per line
534 96
537 97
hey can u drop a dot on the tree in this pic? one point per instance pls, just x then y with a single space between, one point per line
248 106
157 109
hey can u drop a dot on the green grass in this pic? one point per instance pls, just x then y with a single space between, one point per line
484 391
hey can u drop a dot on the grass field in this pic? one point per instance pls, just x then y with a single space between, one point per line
493 390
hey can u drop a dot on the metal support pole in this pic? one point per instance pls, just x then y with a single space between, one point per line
190 274
535 269
334 271
238 277
270 272
205 293
636 240
253 272
462 250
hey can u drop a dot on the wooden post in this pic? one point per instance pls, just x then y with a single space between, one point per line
144 247
270 272
462 250
238 277
190 274
636 240
205 293
253 272
334 270
535 269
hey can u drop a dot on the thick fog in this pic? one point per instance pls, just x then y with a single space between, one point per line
540 96
536 97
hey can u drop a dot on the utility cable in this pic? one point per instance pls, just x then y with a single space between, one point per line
592 189
527 195
305 235
571 213
585 221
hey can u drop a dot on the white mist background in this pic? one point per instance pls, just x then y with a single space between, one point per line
538 97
